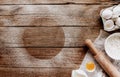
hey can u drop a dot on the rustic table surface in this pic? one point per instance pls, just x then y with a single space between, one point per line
45 38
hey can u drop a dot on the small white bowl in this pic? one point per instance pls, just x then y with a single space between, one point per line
78 73
112 46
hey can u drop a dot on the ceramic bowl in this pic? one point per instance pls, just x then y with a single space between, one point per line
112 46
78 73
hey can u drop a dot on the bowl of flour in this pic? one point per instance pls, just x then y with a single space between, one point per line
112 46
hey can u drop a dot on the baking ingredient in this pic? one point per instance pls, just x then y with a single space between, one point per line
107 14
116 10
78 73
100 57
108 25
90 66
118 22
112 46
110 17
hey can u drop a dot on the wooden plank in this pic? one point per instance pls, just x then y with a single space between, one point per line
20 57
50 10
37 20
47 36
36 72
50 15
50 1
43 53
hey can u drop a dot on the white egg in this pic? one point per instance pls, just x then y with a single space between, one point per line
109 25
78 73
114 16
116 10
118 22
107 14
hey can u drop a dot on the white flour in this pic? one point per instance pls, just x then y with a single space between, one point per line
112 46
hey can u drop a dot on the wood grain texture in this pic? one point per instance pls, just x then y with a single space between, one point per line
50 15
19 57
47 36
50 1
36 72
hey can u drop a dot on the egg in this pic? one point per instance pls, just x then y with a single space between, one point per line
118 22
109 25
90 66
78 73
107 14
116 10
114 17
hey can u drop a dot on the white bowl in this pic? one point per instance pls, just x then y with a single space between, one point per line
112 46
78 73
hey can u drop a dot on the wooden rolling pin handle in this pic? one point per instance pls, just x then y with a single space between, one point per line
92 48
105 63
103 60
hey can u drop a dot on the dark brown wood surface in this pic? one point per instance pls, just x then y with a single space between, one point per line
45 38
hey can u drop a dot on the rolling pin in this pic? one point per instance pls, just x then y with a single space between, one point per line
104 62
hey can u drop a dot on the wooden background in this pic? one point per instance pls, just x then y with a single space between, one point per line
45 38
